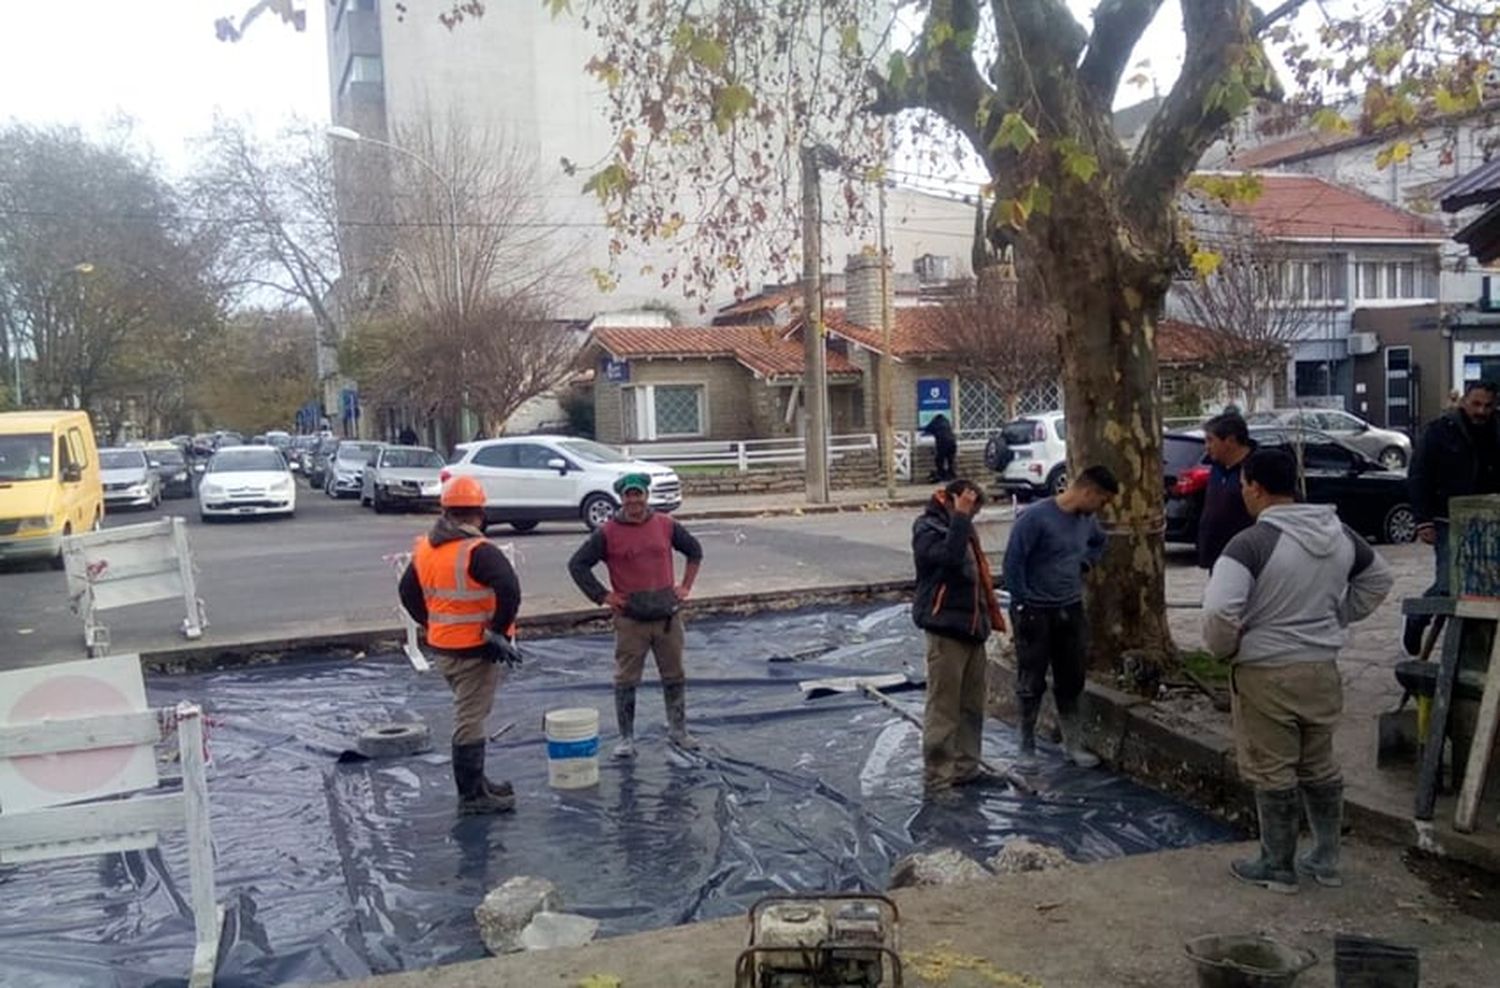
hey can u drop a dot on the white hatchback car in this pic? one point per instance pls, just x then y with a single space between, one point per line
1031 454
246 480
531 479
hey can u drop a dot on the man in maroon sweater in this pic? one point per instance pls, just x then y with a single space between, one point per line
637 545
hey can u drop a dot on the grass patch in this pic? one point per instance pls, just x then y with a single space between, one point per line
1206 667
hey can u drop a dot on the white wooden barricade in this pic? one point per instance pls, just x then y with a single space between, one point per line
73 732
134 564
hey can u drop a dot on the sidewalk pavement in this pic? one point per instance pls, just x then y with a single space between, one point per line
1119 923
1367 665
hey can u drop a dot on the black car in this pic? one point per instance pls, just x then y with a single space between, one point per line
1186 476
174 470
1369 498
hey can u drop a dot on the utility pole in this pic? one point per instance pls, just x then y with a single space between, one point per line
815 367
887 361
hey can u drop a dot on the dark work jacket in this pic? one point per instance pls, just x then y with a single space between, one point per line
487 565
949 600
1447 464
1224 513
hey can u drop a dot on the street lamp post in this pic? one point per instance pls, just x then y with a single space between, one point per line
354 136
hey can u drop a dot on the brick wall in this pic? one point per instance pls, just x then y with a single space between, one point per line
727 386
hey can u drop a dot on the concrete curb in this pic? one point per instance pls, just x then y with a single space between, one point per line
795 510
1136 738
389 636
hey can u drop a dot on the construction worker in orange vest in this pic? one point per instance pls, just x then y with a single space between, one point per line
463 590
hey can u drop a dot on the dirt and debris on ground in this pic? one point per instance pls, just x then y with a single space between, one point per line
1114 924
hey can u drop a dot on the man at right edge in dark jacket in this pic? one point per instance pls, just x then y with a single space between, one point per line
1457 455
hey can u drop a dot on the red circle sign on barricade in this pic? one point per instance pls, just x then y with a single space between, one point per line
71 773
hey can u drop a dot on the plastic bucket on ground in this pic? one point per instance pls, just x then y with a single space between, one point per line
1240 961
572 747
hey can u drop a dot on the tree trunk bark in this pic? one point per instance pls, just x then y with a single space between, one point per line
1114 419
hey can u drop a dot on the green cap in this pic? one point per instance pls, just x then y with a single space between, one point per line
633 481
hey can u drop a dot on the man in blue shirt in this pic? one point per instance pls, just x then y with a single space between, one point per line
1052 545
1226 440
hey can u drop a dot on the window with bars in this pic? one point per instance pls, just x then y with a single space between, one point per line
679 410
663 411
980 406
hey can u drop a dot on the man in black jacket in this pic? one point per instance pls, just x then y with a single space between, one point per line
1227 441
955 604
1457 455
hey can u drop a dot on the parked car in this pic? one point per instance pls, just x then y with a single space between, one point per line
49 482
1185 472
1370 499
316 470
129 481
172 467
402 477
1391 449
224 438
344 476
1031 454
531 479
246 480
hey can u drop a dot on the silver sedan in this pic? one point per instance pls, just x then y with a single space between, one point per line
1389 448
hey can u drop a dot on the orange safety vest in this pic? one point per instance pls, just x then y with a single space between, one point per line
458 609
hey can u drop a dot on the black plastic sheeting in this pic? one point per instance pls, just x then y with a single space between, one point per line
334 870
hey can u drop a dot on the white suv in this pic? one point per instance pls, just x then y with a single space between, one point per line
1031 454
531 479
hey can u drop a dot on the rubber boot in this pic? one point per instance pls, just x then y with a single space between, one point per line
676 698
1325 818
625 720
1027 762
1280 812
1071 726
474 793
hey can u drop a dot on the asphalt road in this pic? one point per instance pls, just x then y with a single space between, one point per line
323 571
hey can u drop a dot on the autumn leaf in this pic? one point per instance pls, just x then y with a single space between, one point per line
559 7
1014 133
1206 262
1013 212
897 72
707 52
730 103
1330 121
1076 161
608 181
849 40
601 981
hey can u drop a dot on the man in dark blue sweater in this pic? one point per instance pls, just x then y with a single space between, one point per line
1052 545
1227 441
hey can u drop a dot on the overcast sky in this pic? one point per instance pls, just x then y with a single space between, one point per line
87 62
158 62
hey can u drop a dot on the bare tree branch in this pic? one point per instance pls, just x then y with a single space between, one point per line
1118 26
943 76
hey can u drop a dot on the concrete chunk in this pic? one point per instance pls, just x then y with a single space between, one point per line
1020 854
507 910
548 930
941 867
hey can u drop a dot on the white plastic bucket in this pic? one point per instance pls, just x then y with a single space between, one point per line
572 747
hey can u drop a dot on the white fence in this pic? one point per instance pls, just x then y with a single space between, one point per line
744 455
61 754
134 564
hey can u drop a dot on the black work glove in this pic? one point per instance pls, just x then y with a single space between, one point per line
498 648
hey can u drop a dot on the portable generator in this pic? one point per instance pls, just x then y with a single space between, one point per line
817 940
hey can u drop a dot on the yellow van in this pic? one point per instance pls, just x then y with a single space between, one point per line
49 482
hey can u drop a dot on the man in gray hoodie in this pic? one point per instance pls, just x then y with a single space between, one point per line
1277 605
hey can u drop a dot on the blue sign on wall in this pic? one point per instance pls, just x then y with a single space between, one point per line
616 371
934 398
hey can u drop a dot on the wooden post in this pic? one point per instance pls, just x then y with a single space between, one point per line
815 368
1437 729
887 361
192 626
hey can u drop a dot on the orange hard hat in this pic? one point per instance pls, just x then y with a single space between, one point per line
463 492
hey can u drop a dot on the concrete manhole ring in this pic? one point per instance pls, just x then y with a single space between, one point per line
393 740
